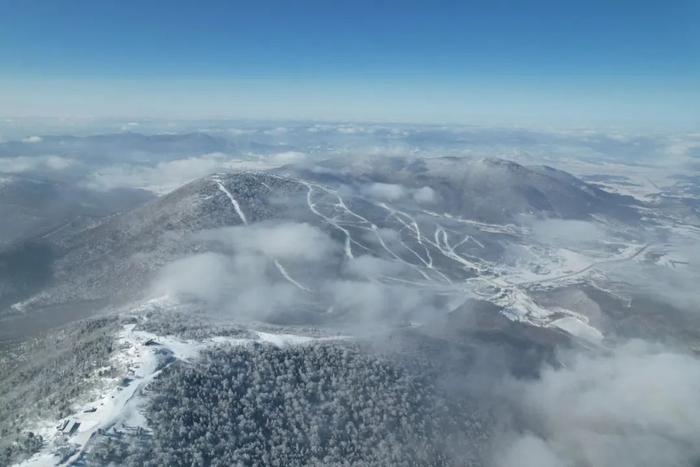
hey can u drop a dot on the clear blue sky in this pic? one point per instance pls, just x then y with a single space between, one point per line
595 62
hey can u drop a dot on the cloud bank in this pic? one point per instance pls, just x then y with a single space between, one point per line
636 406
22 164
260 271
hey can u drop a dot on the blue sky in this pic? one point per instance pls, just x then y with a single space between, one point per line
611 63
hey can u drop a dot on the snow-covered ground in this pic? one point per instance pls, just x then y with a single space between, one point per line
433 245
118 400
642 182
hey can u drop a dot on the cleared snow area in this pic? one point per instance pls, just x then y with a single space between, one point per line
233 200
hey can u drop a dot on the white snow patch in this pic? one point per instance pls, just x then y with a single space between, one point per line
236 206
577 327
281 340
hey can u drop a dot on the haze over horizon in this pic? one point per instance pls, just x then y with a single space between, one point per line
596 64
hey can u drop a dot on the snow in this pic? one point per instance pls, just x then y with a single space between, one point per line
572 261
577 327
642 182
42 459
313 208
281 340
506 285
289 278
118 405
234 202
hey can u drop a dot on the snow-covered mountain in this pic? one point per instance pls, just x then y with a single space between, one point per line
366 296
444 221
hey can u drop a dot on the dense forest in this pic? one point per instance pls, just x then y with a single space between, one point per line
302 405
43 377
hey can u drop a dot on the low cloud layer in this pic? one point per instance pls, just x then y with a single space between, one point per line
386 191
166 176
408 249
262 270
288 241
636 406
393 192
241 287
22 164
425 195
249 274
162 178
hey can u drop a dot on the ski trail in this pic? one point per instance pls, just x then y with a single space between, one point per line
428 264
240 213
449 252
461 242
375 230
397 257
429 285
312 207
412 226
508 229
420 258
430 258
481 245
341 204
344 219
236 206
289 278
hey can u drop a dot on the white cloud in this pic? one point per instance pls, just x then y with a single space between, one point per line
263 269
425 195
367 266
33 139
636 406
164 177
278 131
58 163
28 164
239 286
529 451
662 280
240 131
169 175
200 276
258 271
289 241
372 303
287 157
353 130
394 192
129 126
386 191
